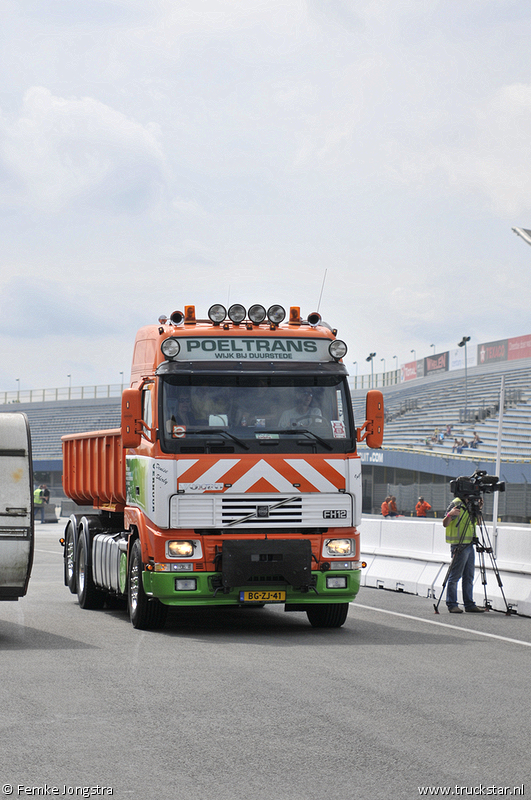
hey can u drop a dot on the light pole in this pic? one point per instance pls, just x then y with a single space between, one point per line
383 359
18 389
462 343
121 382
69 386
432 345
414 355
396 368
370 358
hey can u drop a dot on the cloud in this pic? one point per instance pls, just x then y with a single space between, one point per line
67 152
35 308
496 158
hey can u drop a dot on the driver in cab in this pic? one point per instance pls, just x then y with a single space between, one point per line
303 411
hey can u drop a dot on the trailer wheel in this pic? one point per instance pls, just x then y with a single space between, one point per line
145 614
69 558
327 615
88 595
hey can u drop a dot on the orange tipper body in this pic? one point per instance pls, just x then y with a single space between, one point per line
234 478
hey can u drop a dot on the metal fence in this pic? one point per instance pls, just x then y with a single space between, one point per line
64 393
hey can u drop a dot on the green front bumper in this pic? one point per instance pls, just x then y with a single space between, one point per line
162 586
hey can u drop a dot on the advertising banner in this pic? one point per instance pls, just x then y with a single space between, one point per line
520 347
438 363
457 357
409 371
492 351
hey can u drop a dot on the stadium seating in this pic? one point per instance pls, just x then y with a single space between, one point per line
414 412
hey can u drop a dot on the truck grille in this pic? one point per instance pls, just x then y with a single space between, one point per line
235 512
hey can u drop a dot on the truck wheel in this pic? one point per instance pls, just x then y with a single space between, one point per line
145 614
327 615
87 594
69 558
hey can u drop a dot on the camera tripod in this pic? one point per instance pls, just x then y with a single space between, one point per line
483 545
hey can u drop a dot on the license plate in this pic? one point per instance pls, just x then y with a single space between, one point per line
262 597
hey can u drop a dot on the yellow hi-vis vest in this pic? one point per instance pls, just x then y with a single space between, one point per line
37 497
462 529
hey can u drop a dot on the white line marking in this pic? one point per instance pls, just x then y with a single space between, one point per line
444 624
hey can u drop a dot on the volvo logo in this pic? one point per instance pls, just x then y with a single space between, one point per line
262 511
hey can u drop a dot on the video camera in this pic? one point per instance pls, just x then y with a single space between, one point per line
476 484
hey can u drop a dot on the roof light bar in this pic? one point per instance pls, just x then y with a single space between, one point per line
237 313
257 314
276 314
217 313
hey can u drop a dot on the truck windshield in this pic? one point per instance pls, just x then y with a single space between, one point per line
254 411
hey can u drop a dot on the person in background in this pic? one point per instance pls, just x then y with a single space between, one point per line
422 507
392 506
385 507
38 501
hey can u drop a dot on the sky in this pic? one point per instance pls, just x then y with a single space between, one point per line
363 158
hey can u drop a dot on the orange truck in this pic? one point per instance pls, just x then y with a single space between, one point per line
234 478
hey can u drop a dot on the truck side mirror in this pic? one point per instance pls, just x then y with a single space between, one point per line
131 417
374 425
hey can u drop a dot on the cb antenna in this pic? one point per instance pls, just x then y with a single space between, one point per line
322 287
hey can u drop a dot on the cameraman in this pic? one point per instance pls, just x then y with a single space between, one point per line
460 535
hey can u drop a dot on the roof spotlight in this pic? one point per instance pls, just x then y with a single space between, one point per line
217 313
337 349
257 314
170 348
276 314
237 313
314 319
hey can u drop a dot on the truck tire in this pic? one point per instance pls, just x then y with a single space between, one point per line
87 594
70 558
327 615
145 614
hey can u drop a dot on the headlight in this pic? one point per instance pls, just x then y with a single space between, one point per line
170 347
257 314
237 313
276 314
217 313
339 547
337 349
180 549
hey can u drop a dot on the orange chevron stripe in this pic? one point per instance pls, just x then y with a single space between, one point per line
277 462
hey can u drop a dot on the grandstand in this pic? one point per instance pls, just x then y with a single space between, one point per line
418 458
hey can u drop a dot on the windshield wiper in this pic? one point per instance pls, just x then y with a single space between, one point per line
296 431
221 432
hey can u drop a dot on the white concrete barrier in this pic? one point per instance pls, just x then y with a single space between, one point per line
411 555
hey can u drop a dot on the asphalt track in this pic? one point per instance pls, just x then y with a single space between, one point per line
254 704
